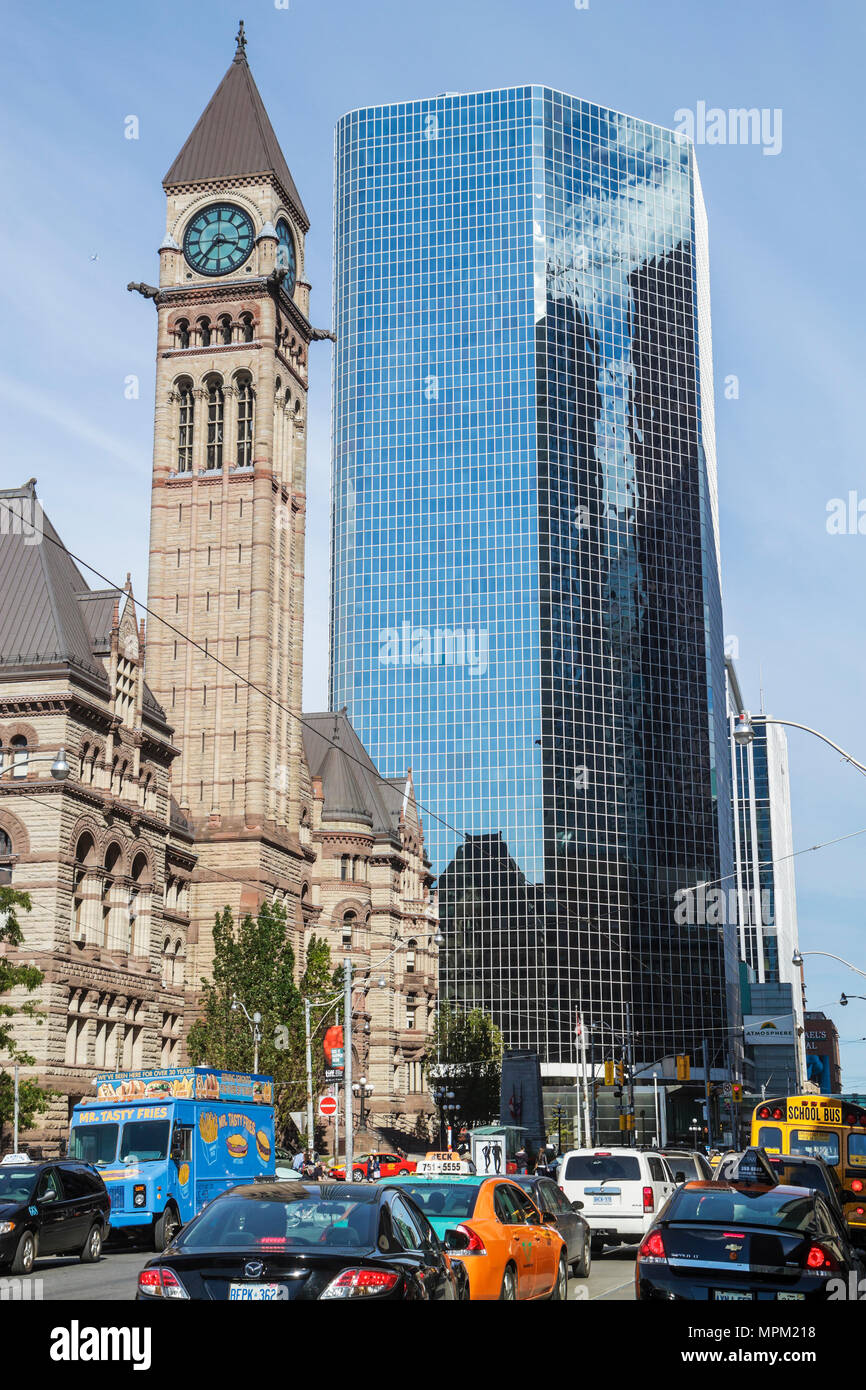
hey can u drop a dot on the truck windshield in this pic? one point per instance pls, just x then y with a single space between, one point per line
93 1143
145 1140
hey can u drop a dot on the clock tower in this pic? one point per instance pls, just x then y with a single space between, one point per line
228 508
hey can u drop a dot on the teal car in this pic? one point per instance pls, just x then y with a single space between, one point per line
445 1201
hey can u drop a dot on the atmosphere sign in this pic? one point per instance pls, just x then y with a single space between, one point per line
764 1029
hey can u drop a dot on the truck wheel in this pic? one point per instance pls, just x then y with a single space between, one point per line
25 1255
92 1246
165 1228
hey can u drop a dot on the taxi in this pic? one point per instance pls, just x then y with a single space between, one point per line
438 1163
390 1165
492 1226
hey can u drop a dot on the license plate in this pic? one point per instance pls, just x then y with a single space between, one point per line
256 1293
730 1295
790 1297
600 1201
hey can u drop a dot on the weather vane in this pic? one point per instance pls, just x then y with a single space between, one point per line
241 40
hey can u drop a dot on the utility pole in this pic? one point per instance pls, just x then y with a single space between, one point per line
587 1121
578 1138
630 1065
705 1053
15 1115
593 1109
347 1066
309 1062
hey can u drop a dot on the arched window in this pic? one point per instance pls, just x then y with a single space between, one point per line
185 425
139 907
411 1010
19 755
6 858
225 324
410 957
247 327
204 332
215 418
345 871
181 333
246 410
349 921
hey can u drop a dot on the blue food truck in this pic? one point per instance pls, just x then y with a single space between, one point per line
167 1142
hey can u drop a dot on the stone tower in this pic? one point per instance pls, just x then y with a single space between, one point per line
228 507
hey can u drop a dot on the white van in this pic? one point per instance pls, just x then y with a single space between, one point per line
622 1191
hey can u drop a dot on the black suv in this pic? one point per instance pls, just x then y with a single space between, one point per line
52 1208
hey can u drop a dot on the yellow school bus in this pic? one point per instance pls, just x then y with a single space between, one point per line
828 1127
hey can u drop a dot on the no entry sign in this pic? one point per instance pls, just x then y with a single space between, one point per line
327 1105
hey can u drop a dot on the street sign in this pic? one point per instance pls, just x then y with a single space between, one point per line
328 1105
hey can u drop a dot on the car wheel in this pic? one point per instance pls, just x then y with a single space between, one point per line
165 1228
559 1292
508 1292
25 1255
92 1247
583 1265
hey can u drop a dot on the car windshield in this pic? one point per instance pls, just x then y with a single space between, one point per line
96 1144
757 1206
16 1184
688 1164
602 1168
443 1199
308 1220
793 1174
144 1140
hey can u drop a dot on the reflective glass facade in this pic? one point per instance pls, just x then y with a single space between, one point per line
525 588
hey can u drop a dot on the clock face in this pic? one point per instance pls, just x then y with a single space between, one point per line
218 240
286 254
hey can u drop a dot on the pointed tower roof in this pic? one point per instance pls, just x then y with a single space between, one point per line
233 137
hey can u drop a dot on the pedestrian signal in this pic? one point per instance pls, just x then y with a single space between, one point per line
684 1068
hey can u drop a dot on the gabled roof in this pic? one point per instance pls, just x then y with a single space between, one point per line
48 614
351 784
234 138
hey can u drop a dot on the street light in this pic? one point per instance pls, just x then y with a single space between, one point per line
362 1088
797 959
446 1103
744 732
59 767
846 997
694 1129
255 1023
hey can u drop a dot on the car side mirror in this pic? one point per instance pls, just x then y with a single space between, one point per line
549 1218
679 1177
577 1206
456 1240
49 1196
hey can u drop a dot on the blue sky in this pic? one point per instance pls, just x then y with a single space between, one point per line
83 215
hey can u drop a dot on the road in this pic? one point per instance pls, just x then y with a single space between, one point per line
116 1275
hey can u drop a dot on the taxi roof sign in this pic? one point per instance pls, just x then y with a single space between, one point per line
444 1163
750 1166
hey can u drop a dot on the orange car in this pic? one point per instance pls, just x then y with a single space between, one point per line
509 1250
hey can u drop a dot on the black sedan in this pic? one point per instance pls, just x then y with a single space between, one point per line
573 1228
276 1241
723 1242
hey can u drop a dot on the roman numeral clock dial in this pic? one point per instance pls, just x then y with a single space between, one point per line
218 239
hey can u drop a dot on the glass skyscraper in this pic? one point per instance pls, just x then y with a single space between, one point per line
525 591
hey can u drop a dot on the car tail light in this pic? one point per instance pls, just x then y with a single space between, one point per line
476 1245
361 1283
857 1185
819 1258
161 1283
653 1248
649 1201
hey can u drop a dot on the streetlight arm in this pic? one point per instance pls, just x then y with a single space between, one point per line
791 724
841 960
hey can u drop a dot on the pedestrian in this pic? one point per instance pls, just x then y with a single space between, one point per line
521 1159
374 1171
298 1161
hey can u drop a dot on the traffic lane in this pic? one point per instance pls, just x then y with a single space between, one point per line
113 1277
611 1277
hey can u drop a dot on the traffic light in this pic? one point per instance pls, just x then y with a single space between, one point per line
684 1067
629 1121
620 1072
622 1120
609 1069
737 1093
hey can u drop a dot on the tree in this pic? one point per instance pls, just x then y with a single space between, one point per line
466 1053
255 961
32 1099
